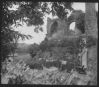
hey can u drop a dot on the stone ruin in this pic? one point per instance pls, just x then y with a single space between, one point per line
58 28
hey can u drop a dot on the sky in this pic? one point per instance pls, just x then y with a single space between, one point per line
39 37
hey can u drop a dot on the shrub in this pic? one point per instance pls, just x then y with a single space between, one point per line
52 64
91 41
44 45
15 72
69 66
36 66
33 49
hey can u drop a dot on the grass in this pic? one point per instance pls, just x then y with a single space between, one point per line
23 56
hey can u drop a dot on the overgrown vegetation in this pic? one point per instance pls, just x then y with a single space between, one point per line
32 13
65 49
20 73
71 46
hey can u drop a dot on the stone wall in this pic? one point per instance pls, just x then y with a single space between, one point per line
59 29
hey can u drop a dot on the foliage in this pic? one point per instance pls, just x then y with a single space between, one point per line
22 48
44 45
69 43
33 49
31 13
66 49
15 71
20 73
34 11
9 37
59 9
9 41
91 41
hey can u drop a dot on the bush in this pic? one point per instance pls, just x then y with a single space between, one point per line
33 50
52 64
91 41
17 73
36 66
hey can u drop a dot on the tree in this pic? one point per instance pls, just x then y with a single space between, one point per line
32 13
9 37
60 9
33 49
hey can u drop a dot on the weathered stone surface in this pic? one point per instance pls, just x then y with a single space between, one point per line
61 29
92 63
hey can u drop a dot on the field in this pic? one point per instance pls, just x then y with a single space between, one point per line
23 56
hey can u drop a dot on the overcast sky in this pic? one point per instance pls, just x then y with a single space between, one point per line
38 37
